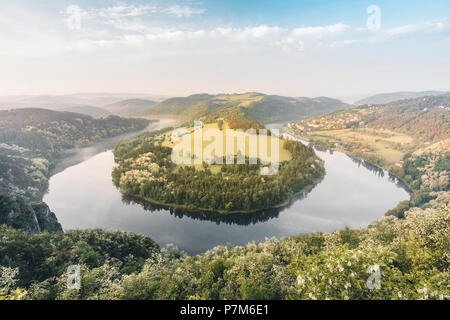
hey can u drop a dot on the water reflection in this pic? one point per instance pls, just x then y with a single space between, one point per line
376 170
243 219
352 194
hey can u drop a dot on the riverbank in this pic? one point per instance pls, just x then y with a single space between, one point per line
350 195
144 170
224 212
358 156
73 156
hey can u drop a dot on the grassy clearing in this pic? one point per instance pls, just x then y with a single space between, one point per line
243 143
245 100
390 146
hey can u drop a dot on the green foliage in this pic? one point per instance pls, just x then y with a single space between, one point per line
427 176
19 213
256 107
129 107
412 255
45 133
41 257
144 170
30 140
421 117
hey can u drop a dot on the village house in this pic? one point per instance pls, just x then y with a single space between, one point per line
400 164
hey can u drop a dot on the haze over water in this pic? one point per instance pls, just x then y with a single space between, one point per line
352 194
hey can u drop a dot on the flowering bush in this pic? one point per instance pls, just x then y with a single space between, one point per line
393 259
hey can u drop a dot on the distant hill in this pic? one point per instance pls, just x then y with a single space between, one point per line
30 140
426 118
92 111
277 108
253 106
92 99
95 112
383 98
383 134
178 106
129 107
46 131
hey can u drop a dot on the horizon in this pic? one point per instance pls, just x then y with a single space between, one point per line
164 97
298 48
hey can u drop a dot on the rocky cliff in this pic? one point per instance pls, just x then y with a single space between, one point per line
33 217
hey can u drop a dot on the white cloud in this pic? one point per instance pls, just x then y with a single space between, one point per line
182 11
291 44
344 43
125 11
254 32
298 39
419 27
130 25
321 30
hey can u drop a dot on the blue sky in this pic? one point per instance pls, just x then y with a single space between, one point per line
313 12
295 48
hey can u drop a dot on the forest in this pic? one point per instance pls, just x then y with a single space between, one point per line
31 140
254 106
145 170
411 253
426 119
427 174
417 129
409 246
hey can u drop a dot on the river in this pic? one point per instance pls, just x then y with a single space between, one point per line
353 194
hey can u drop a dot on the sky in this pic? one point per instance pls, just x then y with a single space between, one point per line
338 48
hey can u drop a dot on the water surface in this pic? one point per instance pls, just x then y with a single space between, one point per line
352 194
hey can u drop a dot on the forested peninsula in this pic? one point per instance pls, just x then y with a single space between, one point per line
145 171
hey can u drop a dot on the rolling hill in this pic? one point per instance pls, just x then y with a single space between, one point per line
95 112
45 130
177 106
30 141
99 99
253 106
382 134
383 98
129 107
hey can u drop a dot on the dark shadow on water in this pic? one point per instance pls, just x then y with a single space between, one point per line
243 219
399 183
372 168
381 173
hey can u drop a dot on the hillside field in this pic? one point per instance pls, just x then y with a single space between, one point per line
284 155
387 145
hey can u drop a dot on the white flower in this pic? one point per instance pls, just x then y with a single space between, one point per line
311 296
300 281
